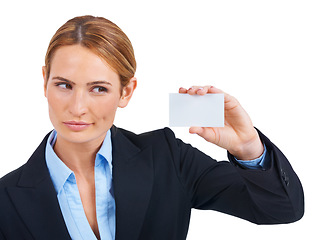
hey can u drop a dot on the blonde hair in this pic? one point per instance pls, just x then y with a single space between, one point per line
101 36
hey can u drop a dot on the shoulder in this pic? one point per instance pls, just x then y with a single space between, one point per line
33 164
162 141
11 179
147 138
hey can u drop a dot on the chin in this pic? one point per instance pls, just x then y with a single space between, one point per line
82 136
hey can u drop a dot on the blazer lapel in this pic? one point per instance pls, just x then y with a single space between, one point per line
133 181
36 201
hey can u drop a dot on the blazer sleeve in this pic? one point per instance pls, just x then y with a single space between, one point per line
271 196
1 236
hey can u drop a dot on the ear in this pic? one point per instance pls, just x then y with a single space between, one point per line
127 92
44 75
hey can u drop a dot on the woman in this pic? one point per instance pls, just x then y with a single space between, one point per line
91 180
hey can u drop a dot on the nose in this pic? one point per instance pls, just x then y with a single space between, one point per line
78 103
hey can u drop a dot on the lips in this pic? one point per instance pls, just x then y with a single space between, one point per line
77 125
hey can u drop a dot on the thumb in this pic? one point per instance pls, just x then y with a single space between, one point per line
197 130
207 133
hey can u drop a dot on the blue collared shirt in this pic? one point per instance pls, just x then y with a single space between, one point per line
68 195
69 199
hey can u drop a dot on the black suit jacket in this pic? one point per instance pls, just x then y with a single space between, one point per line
157 180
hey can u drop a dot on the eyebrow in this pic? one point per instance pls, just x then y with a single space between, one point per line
98 82
88 84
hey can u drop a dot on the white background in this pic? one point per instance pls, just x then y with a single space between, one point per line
265 53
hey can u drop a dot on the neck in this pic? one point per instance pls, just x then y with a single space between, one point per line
79 157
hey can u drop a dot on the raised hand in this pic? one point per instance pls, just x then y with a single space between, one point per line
238 136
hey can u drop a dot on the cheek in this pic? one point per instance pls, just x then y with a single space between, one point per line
106 110
55 104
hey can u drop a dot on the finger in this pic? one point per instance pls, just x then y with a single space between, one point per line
199 90
192 90
182 90
203 90
213 89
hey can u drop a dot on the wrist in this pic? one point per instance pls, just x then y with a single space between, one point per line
250 150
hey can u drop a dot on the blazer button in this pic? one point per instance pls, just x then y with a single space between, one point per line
286 181
285 178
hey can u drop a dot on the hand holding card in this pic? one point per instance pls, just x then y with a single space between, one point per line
238 135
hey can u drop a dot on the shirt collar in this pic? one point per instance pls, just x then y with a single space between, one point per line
60 173
105 152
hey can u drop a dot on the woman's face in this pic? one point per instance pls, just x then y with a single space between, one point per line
83 94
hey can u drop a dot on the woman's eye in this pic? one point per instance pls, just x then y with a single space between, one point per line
64 85
99 90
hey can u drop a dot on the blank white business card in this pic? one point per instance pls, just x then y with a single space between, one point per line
194 110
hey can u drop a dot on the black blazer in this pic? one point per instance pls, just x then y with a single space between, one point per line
157 180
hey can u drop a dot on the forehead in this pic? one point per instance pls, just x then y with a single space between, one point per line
79 63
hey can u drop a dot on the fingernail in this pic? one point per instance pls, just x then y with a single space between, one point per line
189 89
200 88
